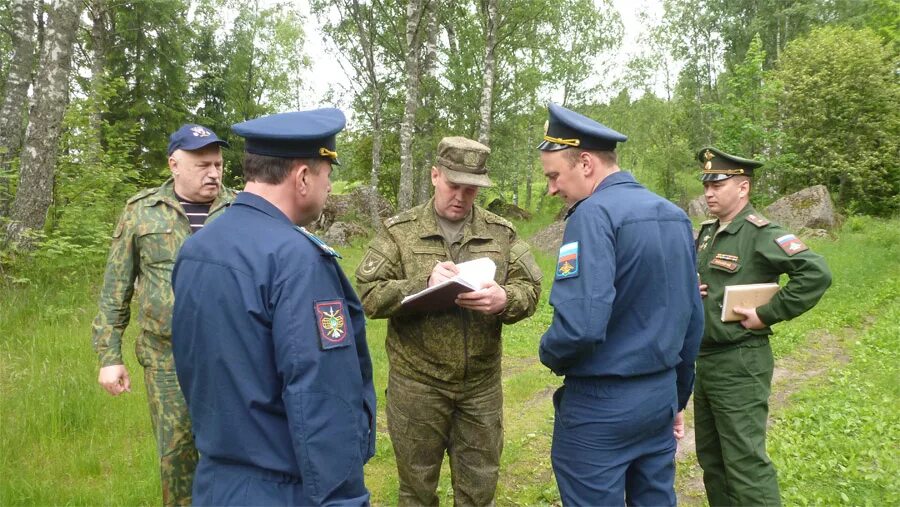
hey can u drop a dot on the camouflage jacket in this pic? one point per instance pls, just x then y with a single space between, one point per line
146 241
455 346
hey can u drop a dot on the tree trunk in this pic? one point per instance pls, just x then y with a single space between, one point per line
99 31
429 89
487 89
12 111
414 10
38 160
529 177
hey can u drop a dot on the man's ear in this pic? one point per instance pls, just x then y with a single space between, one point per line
435 174
173 164
301 174
590 165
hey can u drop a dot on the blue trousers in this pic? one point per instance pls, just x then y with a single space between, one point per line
219 483
613 442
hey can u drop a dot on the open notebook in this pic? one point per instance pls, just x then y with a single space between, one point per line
472 274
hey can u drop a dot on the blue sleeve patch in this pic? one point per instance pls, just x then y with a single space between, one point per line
567 263
331 319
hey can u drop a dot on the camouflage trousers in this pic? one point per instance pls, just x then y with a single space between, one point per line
171 420
426 421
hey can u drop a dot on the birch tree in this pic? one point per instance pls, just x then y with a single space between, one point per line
489 10
414 35
18 79
39 154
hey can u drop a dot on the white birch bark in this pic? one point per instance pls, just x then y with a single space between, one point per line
40 150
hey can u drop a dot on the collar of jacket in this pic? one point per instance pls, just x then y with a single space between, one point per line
739 220
615 178
165 193
476 228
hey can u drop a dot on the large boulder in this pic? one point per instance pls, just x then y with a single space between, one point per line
354 207
697 208
508 210
809 208
341 233
549 239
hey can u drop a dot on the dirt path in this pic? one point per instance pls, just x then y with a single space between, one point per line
822 353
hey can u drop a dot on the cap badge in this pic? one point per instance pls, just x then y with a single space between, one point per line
325 152
200 132
470 158
708 156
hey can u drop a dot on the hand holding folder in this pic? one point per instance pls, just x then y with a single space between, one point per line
472 275
746 296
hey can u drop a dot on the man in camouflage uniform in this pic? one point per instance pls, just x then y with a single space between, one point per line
444 391
146 240
734 367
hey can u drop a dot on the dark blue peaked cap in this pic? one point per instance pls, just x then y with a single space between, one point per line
298 134
568 129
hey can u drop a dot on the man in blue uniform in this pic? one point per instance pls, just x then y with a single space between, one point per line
627 322
269 336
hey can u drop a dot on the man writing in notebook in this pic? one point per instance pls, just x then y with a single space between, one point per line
444 392
734 367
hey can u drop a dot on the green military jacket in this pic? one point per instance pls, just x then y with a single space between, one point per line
146 241
456 346
753 250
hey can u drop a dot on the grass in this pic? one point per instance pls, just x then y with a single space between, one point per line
64 441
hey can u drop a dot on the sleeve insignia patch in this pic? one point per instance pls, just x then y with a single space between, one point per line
567 263
757 221
331 319
371 263
791 244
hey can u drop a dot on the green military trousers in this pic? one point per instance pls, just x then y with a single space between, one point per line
425 421
731 406
171 419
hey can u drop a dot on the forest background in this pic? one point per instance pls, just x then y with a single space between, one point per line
92 88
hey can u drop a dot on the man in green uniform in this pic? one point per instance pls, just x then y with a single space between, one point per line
146 241
734 367
444 391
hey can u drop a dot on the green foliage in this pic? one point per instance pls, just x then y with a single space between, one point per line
837 107
832 441
93 181
841 436
740 123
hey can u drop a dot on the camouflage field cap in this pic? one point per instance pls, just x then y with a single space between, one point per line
718 165
462 161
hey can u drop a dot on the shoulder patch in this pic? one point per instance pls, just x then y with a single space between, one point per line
331 319
371 263
791 244
757 220
567 263
406 216
142 194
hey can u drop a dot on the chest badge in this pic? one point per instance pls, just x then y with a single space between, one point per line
567 263
331 320
705 241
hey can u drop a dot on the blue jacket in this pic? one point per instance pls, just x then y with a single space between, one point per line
270 349
625 299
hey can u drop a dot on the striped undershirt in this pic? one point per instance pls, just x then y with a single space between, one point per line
195 211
